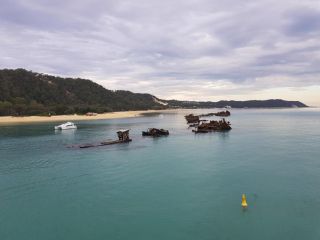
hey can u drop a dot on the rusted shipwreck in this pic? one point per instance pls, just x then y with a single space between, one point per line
155 132
218 114
223 114
123 137
221 125
192 118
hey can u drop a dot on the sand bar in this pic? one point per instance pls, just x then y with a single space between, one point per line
9 120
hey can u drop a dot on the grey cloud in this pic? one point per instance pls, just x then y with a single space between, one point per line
166 47
303 21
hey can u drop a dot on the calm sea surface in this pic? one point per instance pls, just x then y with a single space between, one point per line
184 186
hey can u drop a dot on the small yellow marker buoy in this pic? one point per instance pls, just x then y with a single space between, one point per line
244 203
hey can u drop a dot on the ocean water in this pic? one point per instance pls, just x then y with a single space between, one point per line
183 186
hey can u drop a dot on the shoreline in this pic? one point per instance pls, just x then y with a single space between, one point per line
10 120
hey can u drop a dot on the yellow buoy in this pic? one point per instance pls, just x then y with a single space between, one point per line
244 203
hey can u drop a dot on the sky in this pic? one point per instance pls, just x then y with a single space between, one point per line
174 49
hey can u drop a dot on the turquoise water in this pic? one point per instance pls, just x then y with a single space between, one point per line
184 186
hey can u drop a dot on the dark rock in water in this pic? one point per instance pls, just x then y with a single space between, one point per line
155 132
221 125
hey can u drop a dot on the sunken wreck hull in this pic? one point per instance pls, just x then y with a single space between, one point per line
104 143
199 131
116 142
195 119
221 125
217 114
192 118
223 114
154 132
123 137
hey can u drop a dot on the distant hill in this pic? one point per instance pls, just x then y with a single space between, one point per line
272 103
24 92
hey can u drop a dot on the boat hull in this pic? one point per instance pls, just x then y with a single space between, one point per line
63 128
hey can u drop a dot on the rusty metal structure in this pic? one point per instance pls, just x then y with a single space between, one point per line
123 137
155 132
218 114
192 118
221 125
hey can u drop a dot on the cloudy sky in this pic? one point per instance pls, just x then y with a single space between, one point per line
182 49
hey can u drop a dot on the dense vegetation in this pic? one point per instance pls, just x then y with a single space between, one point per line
272 103
24 92
27 93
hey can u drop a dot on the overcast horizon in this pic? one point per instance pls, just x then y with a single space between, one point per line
185 50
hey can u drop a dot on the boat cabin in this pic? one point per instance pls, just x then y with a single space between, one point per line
123 135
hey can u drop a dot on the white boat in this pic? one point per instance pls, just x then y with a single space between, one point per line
66 126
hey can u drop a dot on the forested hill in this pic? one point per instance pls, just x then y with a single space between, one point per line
24 92
27 93
271 103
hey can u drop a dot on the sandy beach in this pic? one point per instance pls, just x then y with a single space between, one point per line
9 120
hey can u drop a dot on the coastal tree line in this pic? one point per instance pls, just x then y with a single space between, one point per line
27 93
24 93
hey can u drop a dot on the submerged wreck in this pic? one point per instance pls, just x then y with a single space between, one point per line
194 125
221 125
218 114
195 119
155 132
123 137
223 114
192 118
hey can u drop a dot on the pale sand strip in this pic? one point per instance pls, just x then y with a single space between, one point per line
9 120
